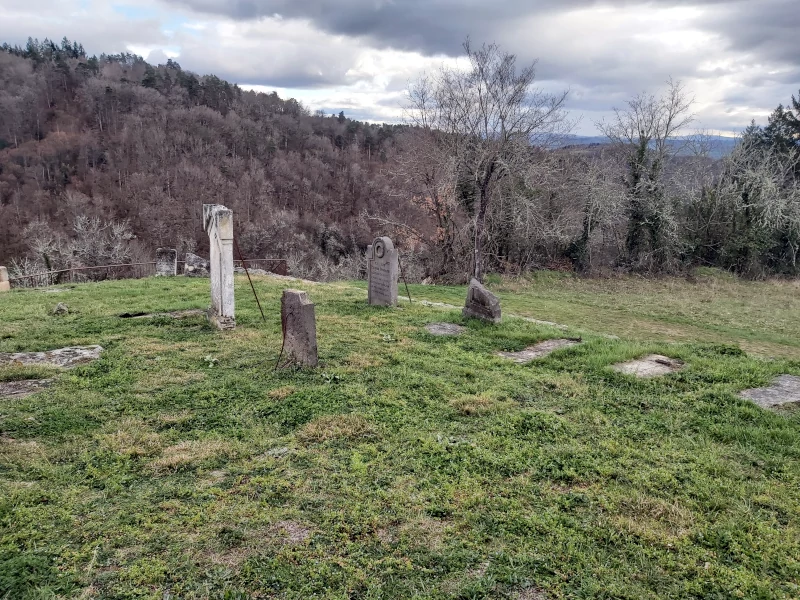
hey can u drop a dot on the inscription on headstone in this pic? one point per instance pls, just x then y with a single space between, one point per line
166 262
5 285
382 272
218 223
299 328
481 303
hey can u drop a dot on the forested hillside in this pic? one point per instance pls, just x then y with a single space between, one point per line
116 139
105 159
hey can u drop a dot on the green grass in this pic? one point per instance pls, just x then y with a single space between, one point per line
181 465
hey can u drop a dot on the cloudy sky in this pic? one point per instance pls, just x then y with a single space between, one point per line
739 58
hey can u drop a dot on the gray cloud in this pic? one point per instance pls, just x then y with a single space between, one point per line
744 51
439 26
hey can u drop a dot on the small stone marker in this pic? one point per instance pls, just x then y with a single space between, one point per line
195 266
784 390
218 223
63 357
5 285
445 329
61 309
166 262
481 303
23 388
383 268
299 328
539 350
653 365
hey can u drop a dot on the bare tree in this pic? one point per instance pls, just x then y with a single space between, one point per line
486 119
647 132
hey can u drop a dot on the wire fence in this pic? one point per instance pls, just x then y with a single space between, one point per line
125 271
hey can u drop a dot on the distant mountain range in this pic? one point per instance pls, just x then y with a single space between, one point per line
718 145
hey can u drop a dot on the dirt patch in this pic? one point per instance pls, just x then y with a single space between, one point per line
653 365
188 454
293 533
476 405
175 314
63 357
783 390
445 329
26 387
539 350
531 594
348 426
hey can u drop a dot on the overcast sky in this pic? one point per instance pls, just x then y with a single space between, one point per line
739 58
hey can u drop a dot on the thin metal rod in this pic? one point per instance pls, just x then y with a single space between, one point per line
399 262
241 258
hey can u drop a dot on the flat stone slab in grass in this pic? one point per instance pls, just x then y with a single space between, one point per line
653 365
63 357
445 329
538 351
784 390
175 314
26 387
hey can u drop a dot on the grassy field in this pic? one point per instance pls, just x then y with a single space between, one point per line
181 465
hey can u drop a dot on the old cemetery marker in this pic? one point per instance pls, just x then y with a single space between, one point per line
382 272
166 262
299 328
218 223
481 303
4 283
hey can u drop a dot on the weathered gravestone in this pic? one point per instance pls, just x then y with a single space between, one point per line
218 223
166 262
383 268
481 303
5 285
299 328
195 266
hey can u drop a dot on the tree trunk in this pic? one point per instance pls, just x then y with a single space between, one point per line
480 225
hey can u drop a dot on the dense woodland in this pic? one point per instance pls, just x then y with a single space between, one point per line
103 159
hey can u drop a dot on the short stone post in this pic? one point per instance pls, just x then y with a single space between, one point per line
481 303
382 272
5 284
299 328
218 223
166 262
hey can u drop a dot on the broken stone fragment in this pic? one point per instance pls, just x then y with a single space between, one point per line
195 266
23 388
539 350
63 357
653 365
450 329
783 390
481 303
61 309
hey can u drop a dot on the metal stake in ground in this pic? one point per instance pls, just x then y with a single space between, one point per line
403 277
252 287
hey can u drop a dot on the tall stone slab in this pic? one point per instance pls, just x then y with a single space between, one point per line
383 268
299 328
218 223
5 284
166 262
481 303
